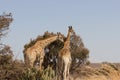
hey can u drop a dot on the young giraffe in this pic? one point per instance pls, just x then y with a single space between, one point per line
64 57
37 50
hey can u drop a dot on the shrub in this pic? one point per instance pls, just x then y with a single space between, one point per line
34 74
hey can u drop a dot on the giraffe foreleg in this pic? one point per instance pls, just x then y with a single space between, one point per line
65 72
68 68
40 63
29 60
41 58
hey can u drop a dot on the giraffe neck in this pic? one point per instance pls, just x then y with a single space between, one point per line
47 41
67 42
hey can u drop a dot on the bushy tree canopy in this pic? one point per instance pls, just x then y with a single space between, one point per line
79 52
6 53
9 69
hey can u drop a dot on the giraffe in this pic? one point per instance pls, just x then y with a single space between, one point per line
37 50
64 57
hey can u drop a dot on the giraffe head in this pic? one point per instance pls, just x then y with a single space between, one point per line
60 36
71 30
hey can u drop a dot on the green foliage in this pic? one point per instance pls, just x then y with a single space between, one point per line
28 74
48 74
34 74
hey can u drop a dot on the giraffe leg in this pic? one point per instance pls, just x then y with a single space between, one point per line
68 68
32 61
59 69
41 62
29 61
64 72
69 64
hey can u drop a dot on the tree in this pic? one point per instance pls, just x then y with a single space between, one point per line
8 67
79 53
5 50
5 20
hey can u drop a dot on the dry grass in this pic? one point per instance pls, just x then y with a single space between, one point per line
98 71
16 70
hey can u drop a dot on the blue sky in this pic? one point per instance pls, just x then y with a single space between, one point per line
96 21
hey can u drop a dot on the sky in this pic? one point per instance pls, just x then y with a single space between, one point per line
97 22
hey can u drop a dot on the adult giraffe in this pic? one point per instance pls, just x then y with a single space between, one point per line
64 57
37 50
